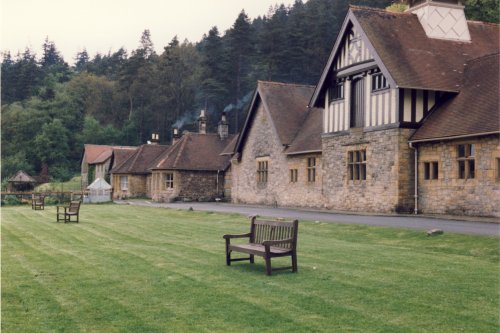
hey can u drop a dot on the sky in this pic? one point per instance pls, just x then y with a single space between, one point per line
106 25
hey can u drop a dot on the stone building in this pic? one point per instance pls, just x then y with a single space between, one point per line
196 166
408 120
132 177
275 163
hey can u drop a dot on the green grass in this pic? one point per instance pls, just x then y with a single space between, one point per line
71 185
140 269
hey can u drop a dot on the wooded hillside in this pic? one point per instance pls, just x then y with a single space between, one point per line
50 109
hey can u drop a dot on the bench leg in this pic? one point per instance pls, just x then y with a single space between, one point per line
252 259
268 266
294 262
228 253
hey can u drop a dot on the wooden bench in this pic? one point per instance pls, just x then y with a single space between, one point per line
267 239
38 202
66 212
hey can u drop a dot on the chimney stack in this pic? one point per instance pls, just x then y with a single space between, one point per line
223 128
441 19
155 138
175 135
202 123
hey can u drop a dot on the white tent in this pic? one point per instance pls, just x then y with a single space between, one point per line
99 191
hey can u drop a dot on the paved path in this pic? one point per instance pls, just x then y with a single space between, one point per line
464 225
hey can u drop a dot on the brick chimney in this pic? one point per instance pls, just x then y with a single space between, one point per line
155 138
223 128
441 19
202 123
175 135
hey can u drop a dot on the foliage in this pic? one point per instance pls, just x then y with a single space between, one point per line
122 97
142 269
11 200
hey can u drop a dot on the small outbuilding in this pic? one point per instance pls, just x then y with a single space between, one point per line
99 191
21 182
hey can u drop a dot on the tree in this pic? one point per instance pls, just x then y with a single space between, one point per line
81 61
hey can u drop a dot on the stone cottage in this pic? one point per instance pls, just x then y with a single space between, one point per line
278 154
196 166
132 177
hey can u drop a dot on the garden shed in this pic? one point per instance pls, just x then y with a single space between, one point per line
98 191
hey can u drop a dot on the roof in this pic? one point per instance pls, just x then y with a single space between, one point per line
408 57
95 154
287 107
231 146
99 184
140 161
308 139
474 111
121 154
196 151
21 177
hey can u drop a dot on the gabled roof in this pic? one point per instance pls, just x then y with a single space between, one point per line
194 151
231 146
474 111
141 160
99 184
308 139
406 56
21 177
286 105
121 154
95 154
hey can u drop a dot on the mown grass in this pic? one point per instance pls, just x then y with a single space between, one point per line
140 269
74 184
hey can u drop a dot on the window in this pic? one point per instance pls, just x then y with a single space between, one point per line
262 171
311 169
466 164
498 168
124 183
294 175
431 170
379 82
356 165
169 180
336 91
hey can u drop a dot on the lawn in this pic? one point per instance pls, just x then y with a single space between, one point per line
141 269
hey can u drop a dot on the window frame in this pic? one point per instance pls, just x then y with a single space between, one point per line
466 164
379 82
311 169
262 171
168 180
336 92
356 165
124 180
431 170
294 175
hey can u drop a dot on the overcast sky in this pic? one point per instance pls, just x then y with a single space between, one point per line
106 25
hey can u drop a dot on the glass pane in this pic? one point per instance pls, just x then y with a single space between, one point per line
356 171
435 170
426 170
471 150
363 172
461 150
471 169
461 169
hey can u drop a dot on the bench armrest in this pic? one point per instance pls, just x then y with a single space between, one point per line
236 236
276 242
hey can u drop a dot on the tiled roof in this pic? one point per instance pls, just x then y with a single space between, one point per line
417 61
474 111
287 107
121 154
308 138
231 146
141 160
21 177
97 153
196 151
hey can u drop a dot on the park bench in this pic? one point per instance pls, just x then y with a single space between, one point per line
267 239
38 202
66 212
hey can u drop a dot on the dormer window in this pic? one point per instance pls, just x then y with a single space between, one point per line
379 82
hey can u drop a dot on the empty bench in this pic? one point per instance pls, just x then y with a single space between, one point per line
38 202
64 213
267 239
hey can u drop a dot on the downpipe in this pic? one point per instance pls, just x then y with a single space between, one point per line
415 210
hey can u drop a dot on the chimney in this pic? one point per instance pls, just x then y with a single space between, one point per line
202 123
441 19
175 135
223 128
155 138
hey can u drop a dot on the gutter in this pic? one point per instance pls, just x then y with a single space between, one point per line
415 149
453 137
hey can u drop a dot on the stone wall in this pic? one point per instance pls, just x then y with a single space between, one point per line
188 185
137 186
389 171
262 144
448 194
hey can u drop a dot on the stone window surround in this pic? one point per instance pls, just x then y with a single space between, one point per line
466 161
262 166
168 180
294 175
311 169
430 170
356 165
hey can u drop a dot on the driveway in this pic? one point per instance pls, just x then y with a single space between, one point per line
462 224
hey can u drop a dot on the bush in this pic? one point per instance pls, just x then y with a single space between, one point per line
11 200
